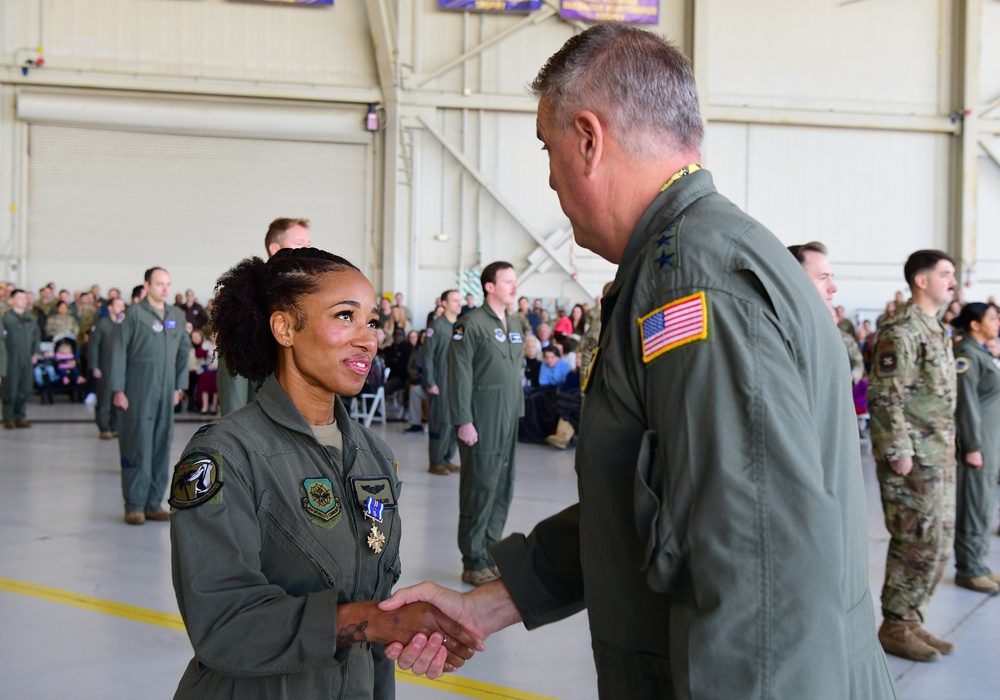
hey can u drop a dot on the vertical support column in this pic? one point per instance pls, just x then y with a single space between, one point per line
393 212
962 239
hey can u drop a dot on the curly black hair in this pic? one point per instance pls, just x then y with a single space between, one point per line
248 293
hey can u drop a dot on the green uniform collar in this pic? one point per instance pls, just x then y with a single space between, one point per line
276 405
667 206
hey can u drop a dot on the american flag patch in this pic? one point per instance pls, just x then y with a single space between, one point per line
675 324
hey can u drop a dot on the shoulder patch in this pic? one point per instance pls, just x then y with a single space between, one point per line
961 365
885 357
196 481
678 323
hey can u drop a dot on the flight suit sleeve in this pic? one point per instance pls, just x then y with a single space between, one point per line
120 338
543 571
432 347
732 511
225 598
36 339
968 417
181 361
461 352
97 338
3 351
894 370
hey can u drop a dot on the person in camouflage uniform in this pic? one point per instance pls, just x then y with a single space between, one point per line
911 399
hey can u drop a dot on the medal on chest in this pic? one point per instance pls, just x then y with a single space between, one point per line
374 510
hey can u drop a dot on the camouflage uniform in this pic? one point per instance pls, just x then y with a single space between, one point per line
854 355
911 400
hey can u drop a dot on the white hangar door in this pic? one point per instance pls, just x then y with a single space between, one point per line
106 204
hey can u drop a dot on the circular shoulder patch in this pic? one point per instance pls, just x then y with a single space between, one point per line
196 480
961 365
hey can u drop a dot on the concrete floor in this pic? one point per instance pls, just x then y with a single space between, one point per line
88 609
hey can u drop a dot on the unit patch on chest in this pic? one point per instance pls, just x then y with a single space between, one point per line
319 502
377 487
196 481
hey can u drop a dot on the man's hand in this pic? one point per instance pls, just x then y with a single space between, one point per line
974 459
902 466
120 400
97 373
34 358
177 396
482 611
468 434
434 390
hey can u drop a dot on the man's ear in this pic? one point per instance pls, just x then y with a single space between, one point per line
591 135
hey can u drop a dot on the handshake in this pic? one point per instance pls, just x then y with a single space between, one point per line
447 627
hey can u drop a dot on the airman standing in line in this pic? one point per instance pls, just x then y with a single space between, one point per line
440 430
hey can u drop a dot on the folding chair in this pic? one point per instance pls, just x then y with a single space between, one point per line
367 407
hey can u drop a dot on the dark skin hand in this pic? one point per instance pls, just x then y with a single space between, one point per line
365 622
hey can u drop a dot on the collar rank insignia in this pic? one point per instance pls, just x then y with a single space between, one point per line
678 323
320 503
195 481
374 510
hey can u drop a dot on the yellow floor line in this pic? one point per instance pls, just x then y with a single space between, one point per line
448 683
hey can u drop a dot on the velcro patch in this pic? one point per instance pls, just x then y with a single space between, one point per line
961 365
429 334
672 325
377 487
458 332
196 480
885 357
204 430
320 503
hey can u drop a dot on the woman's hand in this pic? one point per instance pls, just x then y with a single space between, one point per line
365 622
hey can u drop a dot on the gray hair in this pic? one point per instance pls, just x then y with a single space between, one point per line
638 83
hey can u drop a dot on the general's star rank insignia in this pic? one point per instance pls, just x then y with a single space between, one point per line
376 539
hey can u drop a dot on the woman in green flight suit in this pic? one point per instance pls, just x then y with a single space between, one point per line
284 529
977 418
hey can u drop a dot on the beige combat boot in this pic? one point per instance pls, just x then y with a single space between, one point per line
930 640
979 584
900 639
564 433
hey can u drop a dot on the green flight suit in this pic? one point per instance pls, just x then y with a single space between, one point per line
977 418
99 348
21 338
260 564
484 388
911 400
149 362
234 392
720 543
441 442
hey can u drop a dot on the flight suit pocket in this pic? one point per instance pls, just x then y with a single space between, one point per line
289 550
661 559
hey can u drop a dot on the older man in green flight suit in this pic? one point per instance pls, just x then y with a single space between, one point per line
149 370
486 399
720 543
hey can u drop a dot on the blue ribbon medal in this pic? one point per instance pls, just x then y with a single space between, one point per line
374 510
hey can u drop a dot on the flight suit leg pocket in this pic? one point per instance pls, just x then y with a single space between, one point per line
661 558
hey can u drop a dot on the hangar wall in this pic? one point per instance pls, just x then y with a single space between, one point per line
826 120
